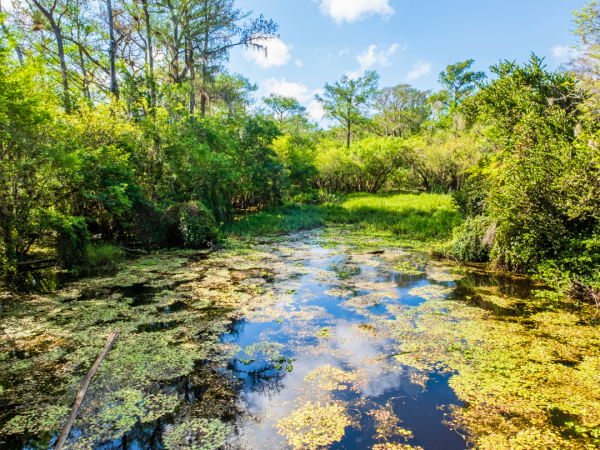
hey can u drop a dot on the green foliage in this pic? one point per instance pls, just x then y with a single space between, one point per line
72 240
346 101
470 200
401 110
472 240
459 81
297 154
196 224
541 185
366 167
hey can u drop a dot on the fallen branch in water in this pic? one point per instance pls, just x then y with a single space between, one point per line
38 261
391 356
135 250
112 337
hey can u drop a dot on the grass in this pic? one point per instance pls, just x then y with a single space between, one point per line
411 216
103 255
279 220
422 217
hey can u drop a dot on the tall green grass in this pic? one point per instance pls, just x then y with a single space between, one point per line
279 220
417 216
103 255
423 217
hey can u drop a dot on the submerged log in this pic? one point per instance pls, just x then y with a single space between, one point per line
135 250
112 337
38 261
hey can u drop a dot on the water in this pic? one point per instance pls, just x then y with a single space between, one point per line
277 333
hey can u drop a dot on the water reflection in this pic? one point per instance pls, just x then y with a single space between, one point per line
330 308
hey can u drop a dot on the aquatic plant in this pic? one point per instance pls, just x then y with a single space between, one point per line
331 378
314 425
407 269
196 434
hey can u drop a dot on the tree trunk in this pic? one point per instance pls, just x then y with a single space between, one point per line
348 135
63 65
86 81
150 57
192 79
112 50
205 59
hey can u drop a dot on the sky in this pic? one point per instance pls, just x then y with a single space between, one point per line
405 41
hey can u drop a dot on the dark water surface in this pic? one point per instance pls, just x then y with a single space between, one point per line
319 319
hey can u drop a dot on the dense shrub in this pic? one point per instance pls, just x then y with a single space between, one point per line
541 186
72 241
196 225
366 167
473 239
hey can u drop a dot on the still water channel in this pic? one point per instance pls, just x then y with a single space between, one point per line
326 339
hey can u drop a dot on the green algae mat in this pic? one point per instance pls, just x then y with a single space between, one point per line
315 340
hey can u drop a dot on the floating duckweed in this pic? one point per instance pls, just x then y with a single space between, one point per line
197 434
395 446
332 378
387 422
430 292
406 269
314 425
271 350
324 333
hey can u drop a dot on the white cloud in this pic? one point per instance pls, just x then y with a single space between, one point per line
278 53
353 10
564 53
420 68
315 110
282 87
299 63
372 57
354 74
344 51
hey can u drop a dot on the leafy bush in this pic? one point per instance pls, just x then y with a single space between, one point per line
470 199
71 241
472 240
317 197
366 167
196 224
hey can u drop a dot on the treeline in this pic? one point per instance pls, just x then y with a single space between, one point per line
122 124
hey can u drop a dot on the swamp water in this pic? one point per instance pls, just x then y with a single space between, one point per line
326 339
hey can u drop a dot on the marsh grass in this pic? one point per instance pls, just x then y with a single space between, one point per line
285 219
417 216
411 216
98 255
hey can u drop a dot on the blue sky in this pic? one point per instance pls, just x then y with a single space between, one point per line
406 41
